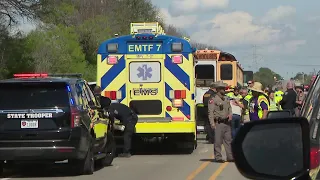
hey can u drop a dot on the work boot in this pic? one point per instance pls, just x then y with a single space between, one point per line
126 155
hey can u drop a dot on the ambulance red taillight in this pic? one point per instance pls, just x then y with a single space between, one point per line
177 59
112 60
75 117
113 95
179 94
30 75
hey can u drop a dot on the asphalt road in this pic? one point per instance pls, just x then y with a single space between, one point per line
153 165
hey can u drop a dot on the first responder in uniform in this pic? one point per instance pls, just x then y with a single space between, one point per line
278 95
220 115
246 102
129 119
259 104
206 97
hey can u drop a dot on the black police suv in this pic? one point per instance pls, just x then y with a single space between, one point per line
53 118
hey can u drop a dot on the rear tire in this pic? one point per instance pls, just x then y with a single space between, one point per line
85 166
1 169
110 151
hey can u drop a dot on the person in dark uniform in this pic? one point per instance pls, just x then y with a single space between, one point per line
288 101
210 93
124 114
129 119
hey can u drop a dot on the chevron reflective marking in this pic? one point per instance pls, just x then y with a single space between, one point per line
113 72
179 73
168 115
103 57
123 92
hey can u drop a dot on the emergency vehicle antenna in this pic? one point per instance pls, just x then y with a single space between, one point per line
146 28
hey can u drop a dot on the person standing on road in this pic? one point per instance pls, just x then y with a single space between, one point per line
220 115
273 104
236 107
300 99
206 97
259 104
288 101
246 98
129 119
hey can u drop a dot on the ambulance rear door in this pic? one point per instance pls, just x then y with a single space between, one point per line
145 87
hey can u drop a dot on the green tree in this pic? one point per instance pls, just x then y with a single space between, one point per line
303 77
56 51
266 76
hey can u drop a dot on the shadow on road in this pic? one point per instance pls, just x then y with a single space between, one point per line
44 170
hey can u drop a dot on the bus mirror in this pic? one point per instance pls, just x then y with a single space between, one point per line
176 47
112 48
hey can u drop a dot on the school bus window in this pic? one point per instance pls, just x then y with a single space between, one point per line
205 75
226 72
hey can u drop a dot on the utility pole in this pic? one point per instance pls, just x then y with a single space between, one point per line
255 57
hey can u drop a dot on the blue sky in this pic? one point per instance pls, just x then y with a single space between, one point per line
286 33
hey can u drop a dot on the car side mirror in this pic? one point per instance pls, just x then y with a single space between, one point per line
279 114
273 149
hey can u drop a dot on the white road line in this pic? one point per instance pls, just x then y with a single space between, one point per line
6 178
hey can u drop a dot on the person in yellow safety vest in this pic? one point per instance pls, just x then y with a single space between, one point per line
259 104
278 95
273 104
246 98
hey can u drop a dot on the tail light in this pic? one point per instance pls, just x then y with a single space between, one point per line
75 117
314 158
112 60
180 94
113 95
168 108
177 59
177 103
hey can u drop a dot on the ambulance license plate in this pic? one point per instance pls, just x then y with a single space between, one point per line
29 124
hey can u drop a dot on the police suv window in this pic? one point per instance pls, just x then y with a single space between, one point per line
33 95
205 75
226 72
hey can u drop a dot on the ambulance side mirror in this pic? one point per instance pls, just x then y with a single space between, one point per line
273 149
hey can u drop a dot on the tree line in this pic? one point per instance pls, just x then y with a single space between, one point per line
68 33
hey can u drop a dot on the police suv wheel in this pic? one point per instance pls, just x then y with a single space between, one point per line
1 169
110 151
88 164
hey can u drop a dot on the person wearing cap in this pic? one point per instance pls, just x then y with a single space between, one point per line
102 101
259 104
205 100
288 101
220 115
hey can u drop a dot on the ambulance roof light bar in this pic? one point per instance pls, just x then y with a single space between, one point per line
146 28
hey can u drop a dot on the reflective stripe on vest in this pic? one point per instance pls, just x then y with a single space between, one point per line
261 99
248 99
273 106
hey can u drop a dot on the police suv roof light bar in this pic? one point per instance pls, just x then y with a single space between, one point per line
31 75
76 75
